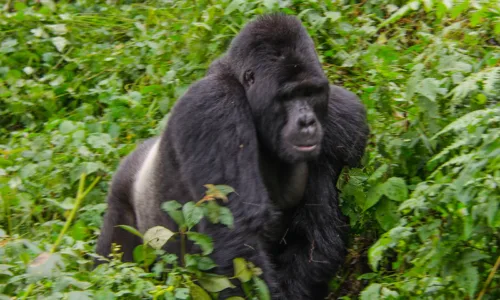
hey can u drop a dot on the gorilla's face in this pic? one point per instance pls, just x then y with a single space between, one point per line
285 86
302 132
289 115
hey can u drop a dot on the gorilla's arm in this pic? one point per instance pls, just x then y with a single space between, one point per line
215 142
316 239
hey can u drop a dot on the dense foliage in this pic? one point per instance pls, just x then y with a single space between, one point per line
82 82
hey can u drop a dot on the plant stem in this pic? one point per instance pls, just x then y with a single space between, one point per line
183 245
79 197
489 279
28 291
6 208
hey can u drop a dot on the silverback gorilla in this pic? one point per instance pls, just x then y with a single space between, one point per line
265 121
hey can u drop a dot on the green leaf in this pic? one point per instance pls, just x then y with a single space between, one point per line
262 289
372 292
387 214
386 241
67 127
212 212
206 263
79 295
171 205
173 209
202 240
472 256
430 88
234 5
46 265
157 236
373 196
241 270
395 189
468 278
197 293
144 255
182 293
192 214
131 230
217 192
226 217
104 295
333 15
378 173
215 283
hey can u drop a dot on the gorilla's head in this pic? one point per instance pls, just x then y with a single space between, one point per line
274 59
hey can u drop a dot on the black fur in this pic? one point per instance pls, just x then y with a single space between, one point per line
265 121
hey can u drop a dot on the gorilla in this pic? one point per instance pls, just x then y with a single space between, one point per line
265 121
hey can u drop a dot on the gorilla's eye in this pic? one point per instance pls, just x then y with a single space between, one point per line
248 77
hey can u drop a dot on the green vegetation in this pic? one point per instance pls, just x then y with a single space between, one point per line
82 82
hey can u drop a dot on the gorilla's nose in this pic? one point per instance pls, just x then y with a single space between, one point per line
307 123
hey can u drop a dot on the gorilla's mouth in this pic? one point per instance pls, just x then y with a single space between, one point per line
305 148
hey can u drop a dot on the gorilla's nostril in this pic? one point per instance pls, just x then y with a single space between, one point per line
307 121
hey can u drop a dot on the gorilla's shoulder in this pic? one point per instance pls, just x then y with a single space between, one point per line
346 102
347 131
216 96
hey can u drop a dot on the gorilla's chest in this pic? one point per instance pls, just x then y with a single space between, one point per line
285 183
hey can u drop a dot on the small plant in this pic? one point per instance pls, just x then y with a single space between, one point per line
191 276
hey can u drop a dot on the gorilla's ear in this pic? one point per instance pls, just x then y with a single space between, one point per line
248 78
347 129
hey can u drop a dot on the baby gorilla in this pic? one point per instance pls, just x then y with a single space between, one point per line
265 121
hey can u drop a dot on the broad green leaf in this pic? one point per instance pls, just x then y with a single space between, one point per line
234 5
395 189
372 292
157 236
206 263
333 15
131 230
173 210
387 214
468 278
79 295
241 270
386 241
192 214
144 255
104 295
389 294
171 205
472 256
67 127
378 173
182 293
373 196
197 293
212 211
191 260
202 240
60 43
430 88
215 283
46 265
262 289
226 217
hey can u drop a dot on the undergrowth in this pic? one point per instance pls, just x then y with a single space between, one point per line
82 82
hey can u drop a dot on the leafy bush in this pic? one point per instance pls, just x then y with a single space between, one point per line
82 82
